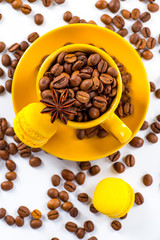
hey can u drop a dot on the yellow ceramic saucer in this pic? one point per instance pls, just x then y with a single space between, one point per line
64 144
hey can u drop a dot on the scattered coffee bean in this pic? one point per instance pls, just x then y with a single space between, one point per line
135 14
74 19
68 175
80 233
9 220
115 156
6 60
2 46
19 221
59 1
157 93
3 144
92 209
147 180
144 126
153 7
139 198
23 46
151 42
23 211
53 193
10 165
53 203
136 142
66 206
1 89
10 176
63 195
35 223
67 16
35 162
13 47
71 227
124 216
106 19
95 169
12 148
114 6
147 55
116 225
85 165
32 37
83 197
1 72
16 4
7 185
46 3
158 118
152 138
101 4
36 214
55 180
155 127
126 14
146 32
136 27
134 38
4 154
8 85
123 32
118 21
144 17
53 214
130 160
80 178
119 167
152 87
10 131
2 213
88 226
69 186
92 238
73 212
3 124
141 44
38 18
26 9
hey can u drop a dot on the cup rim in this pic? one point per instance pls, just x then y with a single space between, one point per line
105 56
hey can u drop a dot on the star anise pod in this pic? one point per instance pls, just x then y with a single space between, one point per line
59 107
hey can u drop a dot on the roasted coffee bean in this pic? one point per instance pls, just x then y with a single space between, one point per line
155 127
63 195
7 185
2 213
71 227
13 47
126 14
80 134
67 16
12 148
146 32
144 17
157 93
119 167
1 89
11 166
136 27
92 209
86 84
26 153
80 178
3 124
3 144
144 126
92 238
94 59
106 19
141 44
151 42
23 211
94 112
26 9
23 46
69 186
101 4
102 133
135 14
123 216
159 38
10 176
68 175
114 6
147 180
118 21
44 83
21 146
99 102
38 18
95 169
136 142
88 226
66 206
16 4
152 138
91 132
106 78
35 161
85 165
19 221
36 214
73 212
115 156
147 55
82 97
35 223
74 19
109 26
70 58
9 220
134 38
9 131
158 118
8 85
53 193
4 154
6 60
123 32
53 214
53 203
1 134
46 3
153 7
18 54
55 180
1 72
152 87
130 160
59 1
116 225
2 46
80 233
139 198
60 81
83 197
11 72
32 37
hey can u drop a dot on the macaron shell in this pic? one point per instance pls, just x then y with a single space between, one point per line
113 197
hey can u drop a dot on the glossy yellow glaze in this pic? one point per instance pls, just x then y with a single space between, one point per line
64 143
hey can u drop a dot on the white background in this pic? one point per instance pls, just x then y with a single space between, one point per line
31 186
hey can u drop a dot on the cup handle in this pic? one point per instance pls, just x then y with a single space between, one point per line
117 128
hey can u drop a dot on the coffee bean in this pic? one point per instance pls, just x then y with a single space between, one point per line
94 112
136 142
21 146
53 203
9 220
124 216
63 195
135 14
71 227
114 6
95 169
115 156
18 54
80 178
59 1
144 17
46 3
91 132
4 154
116 225
10 176
147 180
109 26
26 9
53 214
32 37
74 19
36 214
80 134
83 197
80 233
92 209
119 167
82 97
2 46
94 59
147 55
151 43
6 60
1 134
35 162
123 32
3 144
134 38
152 87
130 160
141 44
118 21
1 89
13 47
92 238
23 46
153 7
6 185
8 85
55 180
146 32
144 126
11 166
73 212
19 221
67 16
155 127
126 14
12 148
158 118
38 18
1 72
10 131
106 19
55 238
2 213
23 211
85 165
139 198
16 4
101 4
66 206
136 27
53 193
88 226
69 186
35 223
3 124
152 138
68 175
157 93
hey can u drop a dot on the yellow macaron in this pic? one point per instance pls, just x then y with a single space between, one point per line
113 197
